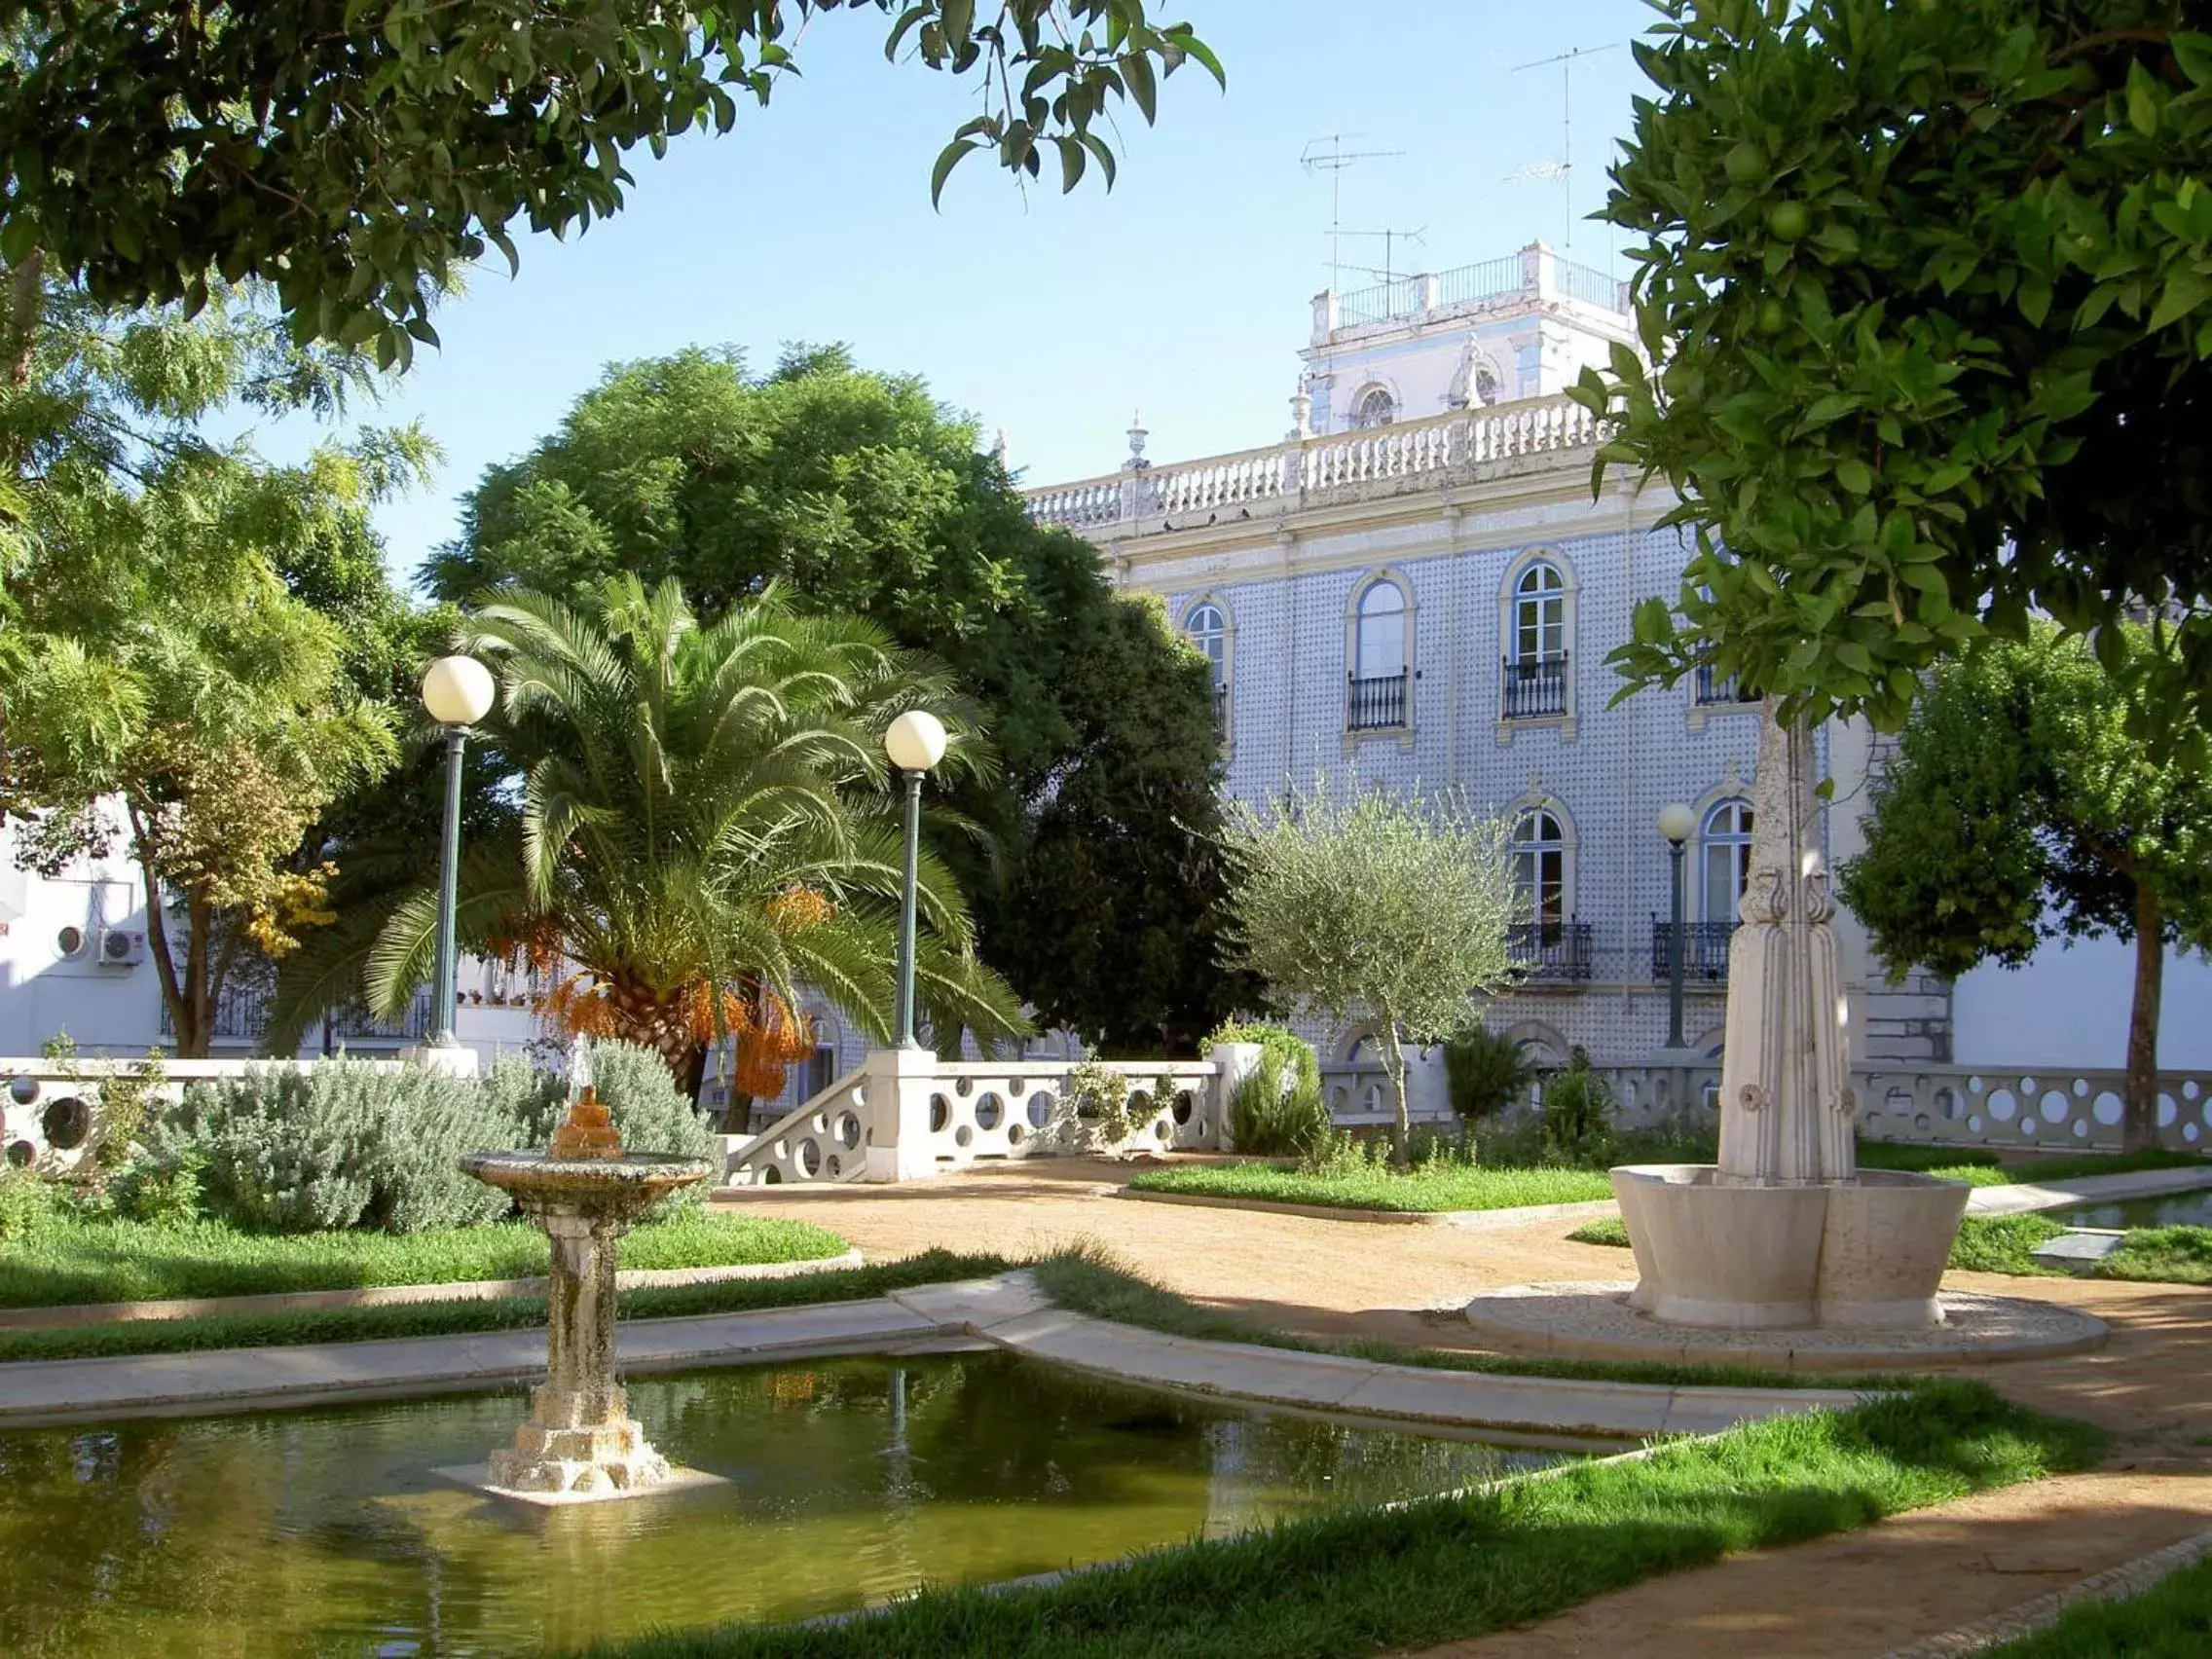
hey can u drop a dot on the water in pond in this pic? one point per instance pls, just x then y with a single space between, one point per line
325 1532
2175 1209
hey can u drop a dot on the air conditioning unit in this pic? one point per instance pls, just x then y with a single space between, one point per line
122 949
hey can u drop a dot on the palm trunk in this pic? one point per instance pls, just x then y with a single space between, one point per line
660 1023
1394 1067
2142 1120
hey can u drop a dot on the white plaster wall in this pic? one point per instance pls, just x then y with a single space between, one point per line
2069 1006
42 993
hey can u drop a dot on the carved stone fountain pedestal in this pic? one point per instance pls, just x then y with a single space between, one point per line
580 1443
1785 1232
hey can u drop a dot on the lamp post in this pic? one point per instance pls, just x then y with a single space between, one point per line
915 743
458 691
1676 823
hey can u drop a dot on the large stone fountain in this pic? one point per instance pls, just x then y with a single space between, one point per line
1787 1230
580 1442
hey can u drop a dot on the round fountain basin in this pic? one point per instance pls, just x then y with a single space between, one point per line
618 1188
1867 1253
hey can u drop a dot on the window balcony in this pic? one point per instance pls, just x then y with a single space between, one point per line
1705 951
1377 704
1720 691
1221 710
1535 686
1551 953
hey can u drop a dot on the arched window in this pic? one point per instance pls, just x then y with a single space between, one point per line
1539 866
1376 407
1208 630
1379 646
1727 843
1540 614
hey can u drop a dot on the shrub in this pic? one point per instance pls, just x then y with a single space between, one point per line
650 1110
1276 1110
1578 1112
160 1194
1485 1072
1094 1109
29 1204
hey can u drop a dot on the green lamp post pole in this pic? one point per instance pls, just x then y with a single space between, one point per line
915 744
1676 823
458 691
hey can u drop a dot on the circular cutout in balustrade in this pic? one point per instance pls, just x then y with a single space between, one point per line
962 1085
2107 1109
990 1109
20 1153
771 1176
1184 1107
1015 1134
1040 1109
964 1136
1014 1087
848 1133
808 1156
66 1122
2166 1110
22 1090
1162 1129
2055 1106
2002 1105
940 1114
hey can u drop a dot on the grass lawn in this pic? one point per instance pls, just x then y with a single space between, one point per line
503 1313
1451 1567
1479 1187
2170 1620
69 1260
2007 1245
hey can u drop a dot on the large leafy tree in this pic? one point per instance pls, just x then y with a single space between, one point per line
2023 804
706 820
1376 905
862 494
1927 294
168 680
352 152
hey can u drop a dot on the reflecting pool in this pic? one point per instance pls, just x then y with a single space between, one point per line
326 1532
2174 1210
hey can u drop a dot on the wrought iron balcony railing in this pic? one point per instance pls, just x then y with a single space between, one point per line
1705 951
1377 703
1552 953
241 1015
1535 686
1221 709
1720 690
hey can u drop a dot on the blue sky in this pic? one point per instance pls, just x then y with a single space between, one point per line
1185 290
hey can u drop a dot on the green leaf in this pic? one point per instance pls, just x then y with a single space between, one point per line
1855 475
2143 99
2185 291
947 159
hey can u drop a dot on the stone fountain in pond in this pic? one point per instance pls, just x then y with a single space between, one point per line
580 1442
1785 1251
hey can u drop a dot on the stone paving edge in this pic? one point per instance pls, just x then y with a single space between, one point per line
2128 1578
80 1313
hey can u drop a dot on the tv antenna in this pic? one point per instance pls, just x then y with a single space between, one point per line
1327 153
1561 170
1390 238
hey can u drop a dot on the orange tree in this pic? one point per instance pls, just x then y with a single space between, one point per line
705 822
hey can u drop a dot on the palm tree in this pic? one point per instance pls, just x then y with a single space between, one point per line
706 821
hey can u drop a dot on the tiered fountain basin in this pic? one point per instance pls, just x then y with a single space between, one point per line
581 1444
1867 1253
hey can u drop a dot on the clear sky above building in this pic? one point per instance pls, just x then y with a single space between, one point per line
1185 291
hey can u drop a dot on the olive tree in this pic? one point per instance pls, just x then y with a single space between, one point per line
1374 905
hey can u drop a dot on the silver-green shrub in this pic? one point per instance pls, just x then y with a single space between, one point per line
347 1143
